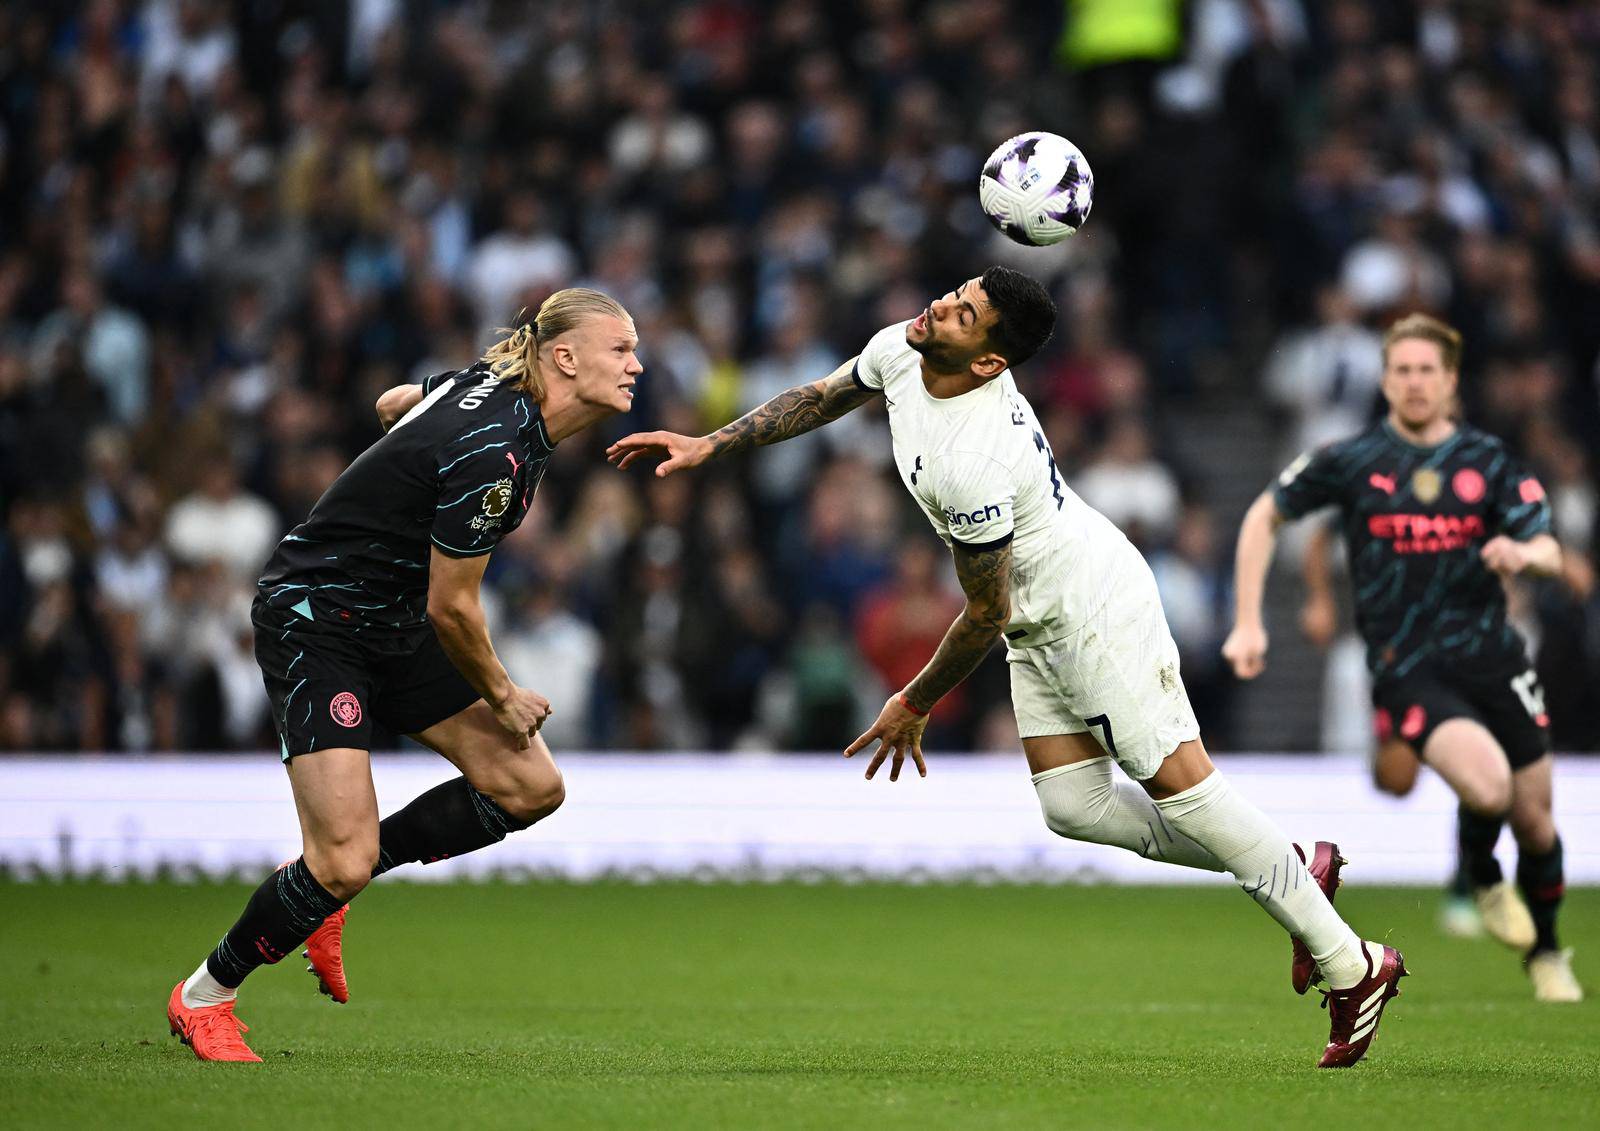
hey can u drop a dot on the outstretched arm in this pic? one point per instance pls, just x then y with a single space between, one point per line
790 413
1246 646
986 580
793 411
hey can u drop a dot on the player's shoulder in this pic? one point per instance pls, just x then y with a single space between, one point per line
1477 441
887 345
478 402
1372 442
1327 466
432 381
474 390
886 358
892 338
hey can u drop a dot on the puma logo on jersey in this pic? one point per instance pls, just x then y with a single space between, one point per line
915 470
1384 483
961 518
479 393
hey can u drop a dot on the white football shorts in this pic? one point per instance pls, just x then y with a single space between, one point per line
1115 676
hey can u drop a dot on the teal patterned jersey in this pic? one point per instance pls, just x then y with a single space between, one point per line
1415 520
457 472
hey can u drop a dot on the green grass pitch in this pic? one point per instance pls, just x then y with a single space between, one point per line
685 1006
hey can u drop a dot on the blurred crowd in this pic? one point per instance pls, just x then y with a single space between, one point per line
225 228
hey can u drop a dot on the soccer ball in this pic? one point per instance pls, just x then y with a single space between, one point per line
1036 188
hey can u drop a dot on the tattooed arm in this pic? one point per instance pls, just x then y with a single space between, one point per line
790 413
986 580
793 412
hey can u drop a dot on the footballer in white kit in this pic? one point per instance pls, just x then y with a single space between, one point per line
1094 670
1085 634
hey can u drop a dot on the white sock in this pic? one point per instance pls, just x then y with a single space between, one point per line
1268 868
202 990
1086 801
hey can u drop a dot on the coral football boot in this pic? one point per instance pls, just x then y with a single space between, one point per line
325 950
212 1031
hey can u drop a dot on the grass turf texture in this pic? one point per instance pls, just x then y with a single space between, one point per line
788 1006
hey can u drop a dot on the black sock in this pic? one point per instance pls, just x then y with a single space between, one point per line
284 911
1461 880
1476 836
449 820
1543 881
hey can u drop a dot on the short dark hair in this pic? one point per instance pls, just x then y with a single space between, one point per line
1025 315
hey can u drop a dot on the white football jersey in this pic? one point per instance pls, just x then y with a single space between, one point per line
982 471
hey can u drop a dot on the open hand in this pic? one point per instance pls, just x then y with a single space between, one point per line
898 730
681 451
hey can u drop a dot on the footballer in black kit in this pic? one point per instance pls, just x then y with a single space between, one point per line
1433 615
1436 515
342 632
371 610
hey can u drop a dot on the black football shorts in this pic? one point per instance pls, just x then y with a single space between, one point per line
1508 702
328 684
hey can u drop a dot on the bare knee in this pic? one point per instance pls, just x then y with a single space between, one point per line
343 868
1534 827
1468 757
1183 769
1488 792
1485 798
534 798
1480 777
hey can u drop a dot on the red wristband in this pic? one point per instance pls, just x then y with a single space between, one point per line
906 703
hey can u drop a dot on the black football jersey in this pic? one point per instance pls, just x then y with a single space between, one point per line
458 472
1414 521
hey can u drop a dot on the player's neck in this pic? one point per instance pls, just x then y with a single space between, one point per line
565 415
1431 434
943 386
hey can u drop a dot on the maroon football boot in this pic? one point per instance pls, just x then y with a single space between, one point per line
1324 866
1355 1012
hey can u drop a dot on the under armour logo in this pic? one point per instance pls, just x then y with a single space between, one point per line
914 471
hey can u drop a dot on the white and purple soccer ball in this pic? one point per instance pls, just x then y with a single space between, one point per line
1036 188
